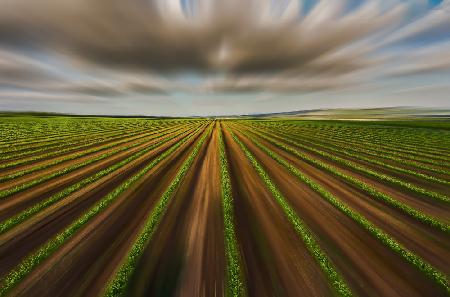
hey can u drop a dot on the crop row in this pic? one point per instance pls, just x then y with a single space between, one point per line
404 157
119 283
353 152
82 134
45 251
383 177
356 151
434 274
88 129
59 152
61 145
389 145
69 157
236 286
336 280
380 196
40 180
26 214
379 130
60 133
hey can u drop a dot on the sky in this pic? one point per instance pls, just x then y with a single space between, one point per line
217 57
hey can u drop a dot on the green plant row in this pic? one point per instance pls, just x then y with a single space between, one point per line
410 136
26 214
45 251
388 200
119 283
59 131
335 279
379 153
21 173
387 145
73 141
409 186
40 180
27 142
437 276
19 151
414 156
129 131
236 285
356 153
38 157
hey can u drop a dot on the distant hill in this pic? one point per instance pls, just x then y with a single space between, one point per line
360 114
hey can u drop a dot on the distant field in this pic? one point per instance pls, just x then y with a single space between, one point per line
200 207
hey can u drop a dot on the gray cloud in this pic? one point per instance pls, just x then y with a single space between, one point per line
234 35
115 48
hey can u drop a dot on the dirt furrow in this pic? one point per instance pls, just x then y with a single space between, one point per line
431 244
83 266
186 255
426 205
369 267
276 261
47 171
18 202
16 243
12 170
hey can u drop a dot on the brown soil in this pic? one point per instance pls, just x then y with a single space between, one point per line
186 253
84 265
424 204
370 268
27 236
26 198
276 261
186 257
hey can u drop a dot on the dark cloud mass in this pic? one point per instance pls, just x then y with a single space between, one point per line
234 35
117 47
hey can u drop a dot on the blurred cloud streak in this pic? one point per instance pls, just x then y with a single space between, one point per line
104 48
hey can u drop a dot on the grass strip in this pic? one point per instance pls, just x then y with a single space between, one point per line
235 278
45 251
118 285
434 274
336 280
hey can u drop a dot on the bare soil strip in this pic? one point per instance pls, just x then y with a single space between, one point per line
15 244
275 259
84 265
370 268
24 199
185 256
429 243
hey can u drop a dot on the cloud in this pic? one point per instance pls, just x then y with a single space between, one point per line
114 48
235 35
